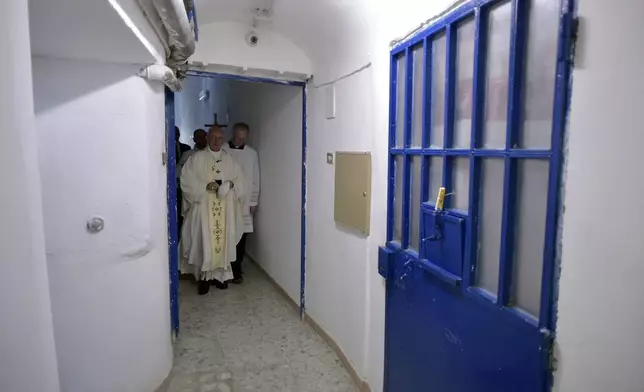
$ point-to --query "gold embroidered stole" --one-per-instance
(217, 220)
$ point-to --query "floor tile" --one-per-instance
(250, 339)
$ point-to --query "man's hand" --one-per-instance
(253, 210)
(224, 189)
(212, 187)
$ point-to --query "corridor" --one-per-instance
(249, 338)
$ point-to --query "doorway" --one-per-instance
(275, 111)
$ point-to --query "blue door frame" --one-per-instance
(451, 286)
(173, 231)
(173, 223)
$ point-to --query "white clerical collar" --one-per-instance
(216, 154)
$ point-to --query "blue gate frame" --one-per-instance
(447, 24)
(173, 232)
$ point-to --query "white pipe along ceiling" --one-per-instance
(169, 19)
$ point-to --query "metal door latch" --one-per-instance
(437, 236)
(434, 237)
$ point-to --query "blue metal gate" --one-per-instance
(478, 106)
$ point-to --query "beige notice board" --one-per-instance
(353, 190)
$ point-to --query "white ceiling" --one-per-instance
(209, 11)
(87, 30)
(313, 25)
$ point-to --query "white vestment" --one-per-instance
(184, 158)
(247, 157)
(199, 254)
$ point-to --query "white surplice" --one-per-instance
(247, 157)
(196, 253)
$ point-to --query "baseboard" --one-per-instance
(362, 385)
(165, 385)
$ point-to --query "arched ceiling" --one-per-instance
(314, 25)
(209, 11)
(338, 36)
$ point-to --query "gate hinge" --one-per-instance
(574, 39)
(575, 28)
(552, 359)
(164, 158)
(550, 343)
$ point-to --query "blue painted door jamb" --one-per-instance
(173, 224)
(303, 205)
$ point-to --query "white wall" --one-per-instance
(355, 317)
(224, 43)
(28, 356)
(274, 113)
(337, 264)
(101, 134)
(600, 313)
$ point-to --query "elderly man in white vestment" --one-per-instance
(213, 189)
(246, 156)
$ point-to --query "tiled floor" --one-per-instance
(248, 338)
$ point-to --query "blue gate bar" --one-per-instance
(514, 118)
(478, 120)
(409, 96)
(406, 202)
(462, 12)
(538, 154)
(427, 90)
(450, 86)
(393, 74)
(547, 318)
